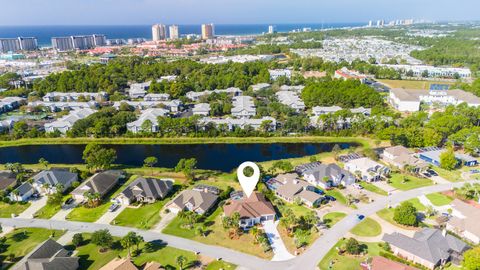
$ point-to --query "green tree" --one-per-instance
(187, 167)
(352, 246)
(150, 162)
(448, 160)
(406, 214)
(129, 241)
(77, 239)
(97, 157)
(181, 261)
(44, 163)
(471, 259)
(102, 238)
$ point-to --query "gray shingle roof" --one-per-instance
(49, 255)
(148, 187)
(54, 177)
(428, 244)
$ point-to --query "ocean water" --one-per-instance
(45, 33)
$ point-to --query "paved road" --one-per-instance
(307, 261)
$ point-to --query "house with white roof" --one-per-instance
(232, 123)
(10, 103)
(243, 107)
(201, 109)
(55, 106)
(232, 91)
(151, 115)
(66, 123)
(291, 99)
(173, 105)
(156, 97)
(260, 86)
(293, 88)
(277, 73)
(319, 110)
(367, 169)
(74, 96)
(138, 90)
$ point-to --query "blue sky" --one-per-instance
(126, 12)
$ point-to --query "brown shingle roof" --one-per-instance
(119, 264)
(252, 207)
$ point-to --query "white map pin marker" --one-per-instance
(248, 183)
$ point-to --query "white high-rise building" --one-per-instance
(174, 33)
(370, 23)
(271, 29)
(208, 31)
(159, 32)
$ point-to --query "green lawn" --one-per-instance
(6, 210)
(85, 214)
(452, 176)
(338, 195)
(217, 265)
(387, 214)
(367, 228)
(332, 218)
(416, 202)
(49, 210)
(372, 188)
(144, 217)
(347, 262)
(23, 240)
(91, 258)
(407, 182)
(217, 235)
(439, 199)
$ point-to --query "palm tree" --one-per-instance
(181, 260)
(128, 241)
(254, 231)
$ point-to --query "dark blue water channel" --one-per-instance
(223, 157)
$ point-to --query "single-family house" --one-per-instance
(100, 183)
(382, 263)
(433, 157)
(156, 97)
(400, 156)
(119, 264)
(201, 109)
(465, 221)
(138, 90)
(367, 169)
(48, 181)
(253, 210)
(22, 193)
(260, 86)
(428, 247)
(197, 201)
(49, 255)
(243, 107)
(319, 110)
(8, 180)
(294, 190)
(145, 190)
(149, 116)
(325, 175)
(232, 123)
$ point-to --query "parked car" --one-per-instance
(432, 172)
(474, 171)
(113, 207)
(360, 217)
(69, 201)
(357, 186)
(427, 175)
(330, 198)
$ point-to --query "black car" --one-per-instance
(330, 198)
(69, 201)
(432, 172)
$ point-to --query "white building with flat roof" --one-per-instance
(408, 100)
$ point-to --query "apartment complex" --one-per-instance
(70, 43)
(18, 44)
(174, 33)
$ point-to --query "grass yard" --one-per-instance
(6, 210)
(217, 235)
(332, 218)
(218, 265)
(345, 261)
(23, 240)
(387, 214)
(338, 195)
(49, 210)
(367, 228)
(407, 182)
(417, 204)
(452, 176)
(372, 188)
(144, 217)
(439, 199)
(85, 214)
(411, 84)
(91, 258)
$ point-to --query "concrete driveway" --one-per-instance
(64, 211)
(280, 251)
(35, 205)
(110, 216)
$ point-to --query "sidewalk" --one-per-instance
(278, 247)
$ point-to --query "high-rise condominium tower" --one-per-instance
(208, 31)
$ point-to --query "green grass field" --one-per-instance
(217, 235)
(332, 218)
(347, 262)
(6, 210)
(49, 210)
(439, 199)
(407, 182)
(372, 188)
(417, 204)
(452, 176)
(367, 228)
(144, 217)
(21, 241)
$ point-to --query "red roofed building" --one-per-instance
(253, 210)
(347, 74)
(381, 263)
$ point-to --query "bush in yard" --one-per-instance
(471, 259)
(406, 214)
(77, 239)
(352, 246)
(102, 238)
